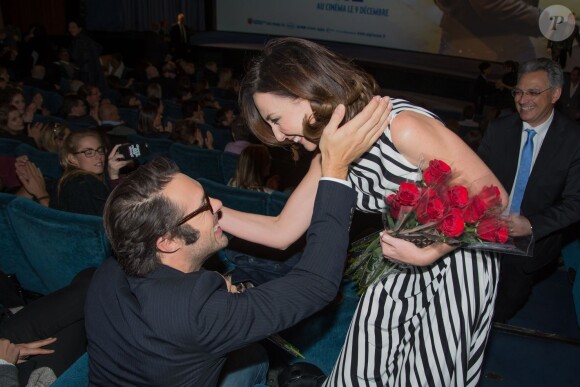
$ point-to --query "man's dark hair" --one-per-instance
(137, 214)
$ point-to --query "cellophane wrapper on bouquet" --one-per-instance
(434, 210)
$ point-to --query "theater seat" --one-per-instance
(196, 162)
(56, 244)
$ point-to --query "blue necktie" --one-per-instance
(523, 172)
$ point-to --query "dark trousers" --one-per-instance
(515, 286)
(59, 314)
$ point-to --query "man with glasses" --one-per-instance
(536, 156)
(154, 316)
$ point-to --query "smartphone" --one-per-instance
(134, 151)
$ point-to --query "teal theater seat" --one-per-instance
(77, 375)
(237, 198)
(13, 259)
(130, 116)
(229, 163)
(8, 146)
(196, 162)
(571, 255)
(56, 244)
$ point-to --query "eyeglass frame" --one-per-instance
(206, 206)
(519, 93)
(100, 150)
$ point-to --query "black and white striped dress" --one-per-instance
(421, 326)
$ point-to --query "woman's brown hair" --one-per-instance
(253, 167)
(298, 68)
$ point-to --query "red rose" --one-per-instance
(394, 205)
(452, 224)
(457, 196)
(408, 194)
(430, 208)
(475, 210)
(490, 196)
(493, 230)
(437, 173)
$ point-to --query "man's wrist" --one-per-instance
(336, 172)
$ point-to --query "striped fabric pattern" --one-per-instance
(420, 326)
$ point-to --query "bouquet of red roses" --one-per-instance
(431, 210)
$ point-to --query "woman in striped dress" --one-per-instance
(426, 325)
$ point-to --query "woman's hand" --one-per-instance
(8, 351)
(341, 146)
(32, 180)
(34, 348)
(115, 162)
(400, 250)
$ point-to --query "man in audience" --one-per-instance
(75, 112)
(155, 316)
(536, 156)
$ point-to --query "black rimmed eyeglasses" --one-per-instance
(92, 152)
(206, 206)
(517, 93)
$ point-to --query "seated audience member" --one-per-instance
(253, 169)
(84, 185)
(224, 118)
(154, 316)
(186, 132)
(67, 69)
(52, 136)
(128, 99)
(49, 331)
(207, 100)
(167, 80)
(111, 122)
(192, 110)
(241, 135)
(36, 79)
(12, 126)
(92, 96)
(14, 97)
(226, 84)
(74, 111)
(150, 121)
(116, 67)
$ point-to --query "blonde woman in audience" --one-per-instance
(52, 136)
(88, 177)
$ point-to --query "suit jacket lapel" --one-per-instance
(512, 152)
(550, 146)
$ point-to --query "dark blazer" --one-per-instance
(552, 198)
(175, 329)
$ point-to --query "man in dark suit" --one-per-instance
(179, 35)
(550, 200)
(569, 103)
(154, 316)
